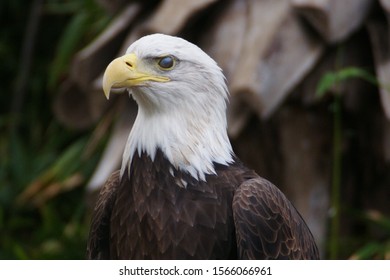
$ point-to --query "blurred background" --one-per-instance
(309, 110)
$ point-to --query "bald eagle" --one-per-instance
(181, 192)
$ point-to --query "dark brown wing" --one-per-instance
(267, 224)
(98, 240)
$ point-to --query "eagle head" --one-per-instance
(181, 94)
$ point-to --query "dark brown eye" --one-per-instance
(166, 62)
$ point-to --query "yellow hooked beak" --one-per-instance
(123, 72)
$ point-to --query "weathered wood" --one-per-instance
(263, 20)
(335, 20)
(93, 59)
(304, 143)
(271, 63)
(386, 5)
(76, 108)
(80, 101)
(113, 6)
(380, 41)
(112, 156)
(172, 15)
(223, 42)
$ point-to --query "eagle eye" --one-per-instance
(166, 62)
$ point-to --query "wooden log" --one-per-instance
(172, 15)
(335, 20)
(271, 62)
(112, 156)
(93, 59)
(380, 40)
(77, 108)
(304, 144)
(112, 6)
(386, 5)
(223, 42)
(80, 101)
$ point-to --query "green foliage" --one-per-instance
(87, 20)
(375, 249)
(43, 166)
(334, 78)
(371, 249)
(44, 227)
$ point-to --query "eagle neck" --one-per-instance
(189, 142)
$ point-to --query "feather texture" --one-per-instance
(233, 214)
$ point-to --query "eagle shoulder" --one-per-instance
(98, 246)
(267, 224)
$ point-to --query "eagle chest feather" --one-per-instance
(164, 213)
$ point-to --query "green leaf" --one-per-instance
(18, 158)
(368, 251)
(69, 161)
(333, 78)
(67, 46)
(19, 252)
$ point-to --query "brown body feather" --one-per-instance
(159, 212)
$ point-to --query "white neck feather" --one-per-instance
(191, 140)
